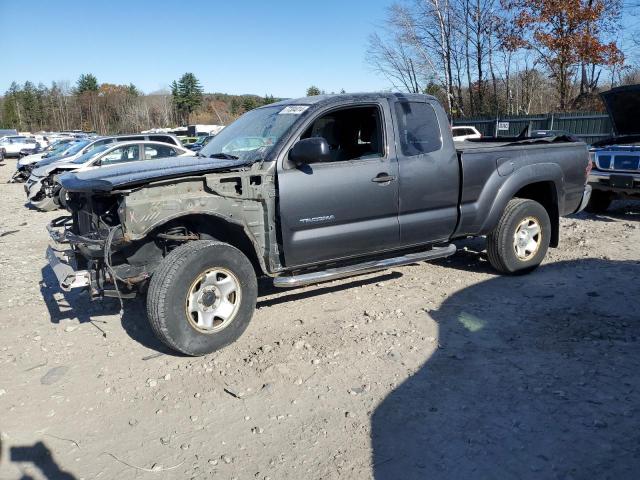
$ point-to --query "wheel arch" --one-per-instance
(210, 226)
(542, 183)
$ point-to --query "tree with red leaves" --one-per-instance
(566, 35)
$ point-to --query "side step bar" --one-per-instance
(362, 268)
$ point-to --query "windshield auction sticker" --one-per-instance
(293, 110)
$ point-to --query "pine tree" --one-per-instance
(187, 95)
(312, 91)
(248, 103)
(86, 83)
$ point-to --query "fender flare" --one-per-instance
(527, 175)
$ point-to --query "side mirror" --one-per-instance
(310, 150)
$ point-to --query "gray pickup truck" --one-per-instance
(304, 191)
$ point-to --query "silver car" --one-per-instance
(44, 193)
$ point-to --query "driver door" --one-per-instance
(348, 206)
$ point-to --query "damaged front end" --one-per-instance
(88, 249)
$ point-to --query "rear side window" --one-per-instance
(419, 129)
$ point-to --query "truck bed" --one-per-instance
(490, 166)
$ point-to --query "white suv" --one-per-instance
(11, 145)
(461, 133)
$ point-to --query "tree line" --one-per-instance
(108, 108)
(488, 57)
(479, 57)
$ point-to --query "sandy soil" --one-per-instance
(434, 370)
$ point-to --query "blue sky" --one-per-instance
(241, 46)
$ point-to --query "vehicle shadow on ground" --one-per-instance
(535, 376)
(77, 305)
(470, 256)
(619, 210)
(39, 456)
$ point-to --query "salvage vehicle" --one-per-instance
(85, 145)
(616, 160)
(31, 149)
(25, 165)
(45, 193)
(337, 185)
(200, 143)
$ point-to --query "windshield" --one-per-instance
(90, 154)
(254, 134)
(76, 148)
(58, 149)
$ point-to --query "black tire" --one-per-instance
(62, 198)
(173, 279)
(501, 243)
(599, 202)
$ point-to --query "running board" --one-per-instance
(362, 268)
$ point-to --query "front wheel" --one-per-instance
(521, 239)
(202, 297)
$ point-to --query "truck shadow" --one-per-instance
(619, 210)
(535, 377)
(78, 305)
(39, 456)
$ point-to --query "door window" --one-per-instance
(418, 128)
(352, 133)
(128, 153)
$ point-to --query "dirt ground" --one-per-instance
(434, 370)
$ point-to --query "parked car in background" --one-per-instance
(304, 191)
(200, 142)
(57, 151)
(89, 145)
(616, 160)
(12, 144)
(461, 133)
(44, 192)
(186, 141)
(34, 148)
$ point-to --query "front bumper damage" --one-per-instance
(62, 258)
(80, 262)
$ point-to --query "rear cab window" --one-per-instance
(418, 128)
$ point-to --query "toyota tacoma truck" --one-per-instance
(305, 191)
(616, 160)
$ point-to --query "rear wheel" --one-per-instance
(599, 202)
(202, 297)
(520, 241)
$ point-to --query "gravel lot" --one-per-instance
(434, 370)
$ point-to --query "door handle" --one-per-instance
(383, 178)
